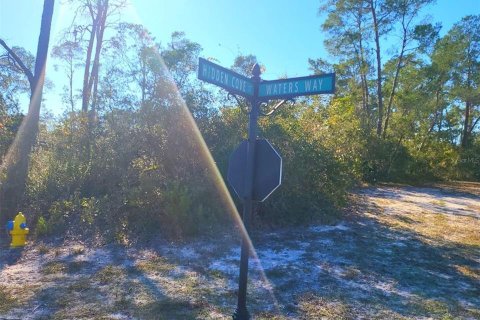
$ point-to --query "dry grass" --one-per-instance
(431, 225)
(78, 250)
(109, 274)
(54, 267)
(473, 273)
(43, 249)
(351, 273)
(155, 264)
(7, 301)
(16, 295)
(314, 307)
(461, 186)
(436, 309)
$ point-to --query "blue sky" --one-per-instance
(283, 34)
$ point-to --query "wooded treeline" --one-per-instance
(125, 157)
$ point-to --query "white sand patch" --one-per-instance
(399, 244)
(439, 275)
(188, 253)
(316, 244)
(118, 316)
(333, 270)
(387, 287)
(21, 272)
(268, 259)
(228, 265)
(178, 271)
(338, 227)
(100, 257)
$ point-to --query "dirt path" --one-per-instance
(403, 253)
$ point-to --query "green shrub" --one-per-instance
(41, 228)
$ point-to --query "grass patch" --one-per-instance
(54, 267)
(77, 266)
(351, 273)
(439, 203)
(314, 307)
(189, 285)
(122, 304)
(80, 285)
(383, 202)
(7, 302)
(157, 264)
(78, 250)
(83, 311)
(217, 274)
(109, 274)
(277, 272)
(435, 308)
(434, 226)
(43, 249)
(167, 309)
(269, 316)
(473, 273)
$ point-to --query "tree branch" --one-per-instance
(474, 124)
(19, 61)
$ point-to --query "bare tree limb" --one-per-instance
(19, 62)
(474, 124)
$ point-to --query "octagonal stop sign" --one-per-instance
(267, 170)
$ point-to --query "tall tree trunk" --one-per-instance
(363, 76)
(70, 85)
(93, 81)
(15, 167)
(438, 114)
(394, 85)
(379, 69)
(363, 66)
(466, 125)
(86, 73)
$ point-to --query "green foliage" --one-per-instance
(9, 125)
(41, 228)
(468, 164)
(139, 168)
(315, 181)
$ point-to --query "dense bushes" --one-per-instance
(144, 172)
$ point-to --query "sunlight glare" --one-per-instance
(210, 164)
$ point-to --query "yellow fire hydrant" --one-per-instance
(18, 230)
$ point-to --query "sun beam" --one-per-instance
(210, 164)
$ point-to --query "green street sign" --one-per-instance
(293, 87)
(222, 77)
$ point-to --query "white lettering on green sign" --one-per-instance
(297, 86)
(275, 89)
(313, 85)
(225, 79)
(281, 88)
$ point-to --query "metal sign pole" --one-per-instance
(241, 313)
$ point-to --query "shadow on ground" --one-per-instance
(369, 267)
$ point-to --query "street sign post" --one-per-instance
(255, 168)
